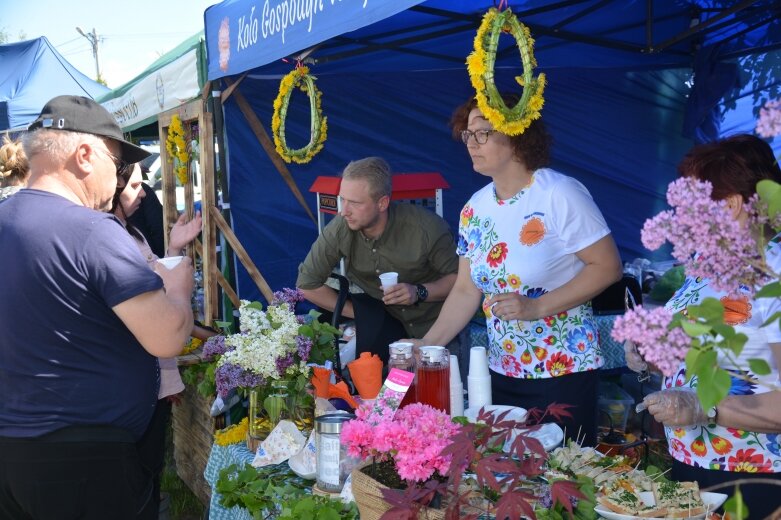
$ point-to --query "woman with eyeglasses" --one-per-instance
(534, 249)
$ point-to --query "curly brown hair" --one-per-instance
(531, 147)
(733, 165)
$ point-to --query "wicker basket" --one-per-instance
(371, 504)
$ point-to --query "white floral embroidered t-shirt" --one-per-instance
(717, 447)
(527, 244)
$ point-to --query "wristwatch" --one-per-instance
(422, 292)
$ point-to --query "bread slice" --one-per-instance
(681, 499)
(625, 502)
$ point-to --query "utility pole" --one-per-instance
(93, 39)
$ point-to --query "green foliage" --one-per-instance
(770, 193)
(710, 335)
(202, 377)
(736, 507)
(259, 490)
(655, 474)
(322, 336)
(666, 286)
(225, 326)
(316, 507)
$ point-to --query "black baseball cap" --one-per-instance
(82, 114)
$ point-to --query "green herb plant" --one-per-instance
(270, 493)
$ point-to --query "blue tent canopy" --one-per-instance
(621, 102)
(31, 73)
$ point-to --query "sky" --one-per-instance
(131, 34)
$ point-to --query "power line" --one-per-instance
(69, 41)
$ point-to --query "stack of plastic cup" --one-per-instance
(456, 389)
(479, 379)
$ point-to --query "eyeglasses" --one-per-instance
(124, 169)
(481, 136)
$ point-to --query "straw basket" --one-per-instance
(371, 504)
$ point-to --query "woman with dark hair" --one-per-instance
(534, 249)
(740, 437)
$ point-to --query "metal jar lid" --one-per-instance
(332, 422)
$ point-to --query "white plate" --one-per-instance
(549, 434)
(712, 502)
(516, 412)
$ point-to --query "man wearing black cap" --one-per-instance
(82, 318)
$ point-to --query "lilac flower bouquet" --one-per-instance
(271, 354)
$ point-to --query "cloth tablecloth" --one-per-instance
(220, 458)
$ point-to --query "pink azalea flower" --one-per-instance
(413, 438)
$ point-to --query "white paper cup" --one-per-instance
(170, 261)
(478, 362)
(388, 279)
(478, 391)
(455, 374)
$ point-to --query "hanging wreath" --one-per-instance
(176, 146)
(318, 127)
(480, 65)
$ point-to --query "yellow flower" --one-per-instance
(300, 78)
(480, 66)
(232, 434)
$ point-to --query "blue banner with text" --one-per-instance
(244, 34)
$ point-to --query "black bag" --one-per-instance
(612, 299)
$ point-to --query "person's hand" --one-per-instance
(400, 294)
(634, 360)
(184, 232)
(676, 407)
(178, 281)
(513, 306)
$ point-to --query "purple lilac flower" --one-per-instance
(304, 345)
(284, 362)
(769, 121)
(229, 377)
(664, 348)
(214, 346)
(706, 238)
(288, 296)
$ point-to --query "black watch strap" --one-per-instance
(422, 292)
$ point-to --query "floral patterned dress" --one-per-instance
(716, 447)
(527, 244)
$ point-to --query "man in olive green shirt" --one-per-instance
(375, 236)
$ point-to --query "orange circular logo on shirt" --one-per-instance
(532, 232)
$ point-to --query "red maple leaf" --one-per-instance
(563, 491)
(514, 506)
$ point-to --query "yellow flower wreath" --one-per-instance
(299, 77)
(177, 148)
(480, 65)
